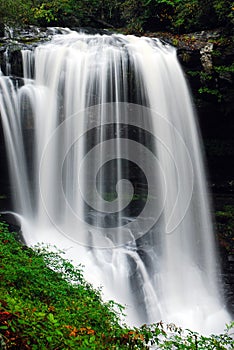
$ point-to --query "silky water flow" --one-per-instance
(105, 163)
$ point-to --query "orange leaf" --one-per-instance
(68, 326)
(83, 329)
(72, 334)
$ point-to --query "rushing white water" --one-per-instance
(94, 110)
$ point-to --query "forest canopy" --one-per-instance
(135, 15)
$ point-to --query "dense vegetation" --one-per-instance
(41, 309)
(135, 15)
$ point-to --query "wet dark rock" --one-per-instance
(13, 42)
(207, 59)
(228, 281)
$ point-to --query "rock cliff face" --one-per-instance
(208, 61)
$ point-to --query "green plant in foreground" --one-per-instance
(45, 303)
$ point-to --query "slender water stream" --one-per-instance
(105, 163)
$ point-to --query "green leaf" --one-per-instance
(50, 317)
(3, 327)
(40, 314)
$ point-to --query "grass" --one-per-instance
(45, 303)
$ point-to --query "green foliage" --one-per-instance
(15, 11)
(135, 15)
(193, 15)
(223, 69)
(45, 303)
(207, 83)
(224, 10)
(58, 12)
(45, 13)
(211, 82)
(143, 15)
(188, 14)
(177, 15)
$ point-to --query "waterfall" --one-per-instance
(105, 163)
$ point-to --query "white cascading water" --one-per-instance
(93, 114)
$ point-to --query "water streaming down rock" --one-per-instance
(95, 110)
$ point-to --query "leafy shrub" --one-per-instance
(137, 15)
(41, 309)
(192, 15)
